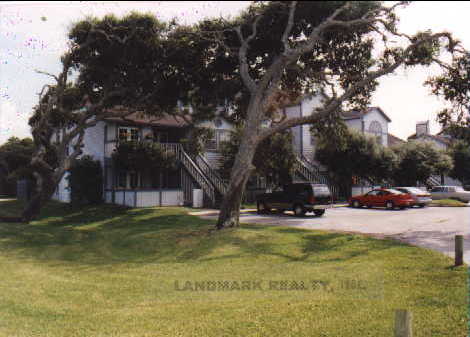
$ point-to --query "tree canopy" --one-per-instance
(354, 154)
(275, 159)
(252, 65)
(15, 157)
(460, 154)
(418, 161)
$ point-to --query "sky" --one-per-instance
(33, 36)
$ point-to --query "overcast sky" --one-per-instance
(33, 36)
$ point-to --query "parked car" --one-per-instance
(298, 197)
(450, 192)
(382, 197)
(421, 198)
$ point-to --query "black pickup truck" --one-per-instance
(298, 197)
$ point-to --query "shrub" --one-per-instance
(86, 181)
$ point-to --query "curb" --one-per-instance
(250, 210)
(454, 206)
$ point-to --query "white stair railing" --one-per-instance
(192, 168)
(213, 176)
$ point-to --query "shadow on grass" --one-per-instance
(109, 234)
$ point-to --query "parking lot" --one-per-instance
(431, 227)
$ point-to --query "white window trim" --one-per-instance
(217, 140)
(129, 132)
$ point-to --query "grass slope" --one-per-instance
(110, 271)
(449, 203)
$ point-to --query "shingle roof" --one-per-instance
(353, 114)
(139, 118)
(394, 140)
(438, 138)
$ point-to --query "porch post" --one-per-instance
(161, 187)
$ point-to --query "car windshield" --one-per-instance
(321, 191)
(414, 190)
(394, 191)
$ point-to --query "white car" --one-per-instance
(450, 192)
(421, 197)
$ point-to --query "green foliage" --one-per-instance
(454, 86)
(86, 181)
(424, 53)
(143, 155)
(418, 161)
(460, 153)
(354, 154)
(274, 158)
(15, 160)
(196, 139)
(213, 74)
(126, 55)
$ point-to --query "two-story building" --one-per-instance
(173, 188)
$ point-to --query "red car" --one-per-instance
(382, 197)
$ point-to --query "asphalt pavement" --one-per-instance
(430, 227)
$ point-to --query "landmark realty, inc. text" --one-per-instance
(267, 285)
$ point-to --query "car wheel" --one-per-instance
(299, 210)
(262, 208)
(421, 205)
(281, 211)
(356, 204)
(389, 205)
(319, 212)
(369, 206)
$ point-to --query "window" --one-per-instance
(321, 191)
(376, 129)
(374, 192)
(395, 191)
(211, 144)
(219, 136)
(128, 134)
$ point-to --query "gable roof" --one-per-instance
(303, 97)
(394, 140)
(354, 114)
(440, 139)
(141, 118)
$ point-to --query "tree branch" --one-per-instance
(242, 59)
(335, 104)
(47, 74)
(289, 25)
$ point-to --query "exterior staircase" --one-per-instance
(213, 186)
(220, 185)
(434, 181)
(310, 172)
(193, 170)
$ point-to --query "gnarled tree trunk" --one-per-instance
(229, 215)
(45, 188)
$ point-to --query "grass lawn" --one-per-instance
(448, 203)
(110, 271)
